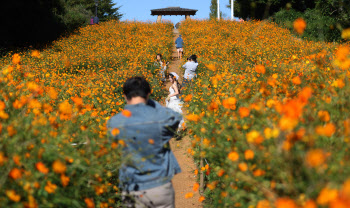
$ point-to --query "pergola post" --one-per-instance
(159, 19)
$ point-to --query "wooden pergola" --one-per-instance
(172, 11)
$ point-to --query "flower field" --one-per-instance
(273, 114)
(54, 105)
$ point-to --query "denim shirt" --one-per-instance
(147, 160)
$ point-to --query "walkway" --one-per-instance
(183, 182)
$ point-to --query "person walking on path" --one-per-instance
(190, 70)
(179, 46)
(144, 128)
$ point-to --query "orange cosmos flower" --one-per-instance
(189, 195)
(64, 180)
(258, 173)
(50, 187)
(299, 25)
(310, 204)
(326, 196)
(229, 103)
(52, 93)
(248, 154)
(326, 130)
(296, 80)
(243, 167)
(243, 112)
(323, 115)
(65, 108)
(11, 194)
(115, 132)
(213, 105)
(221, 172)
(193, 117)
(305, 94)
(233, 156)
(77, 100)
(263, 204)
(188, 98)
(285, 203)
(315, 158)
(286, 123)
(15, 173)
(151, 141)
(41, 167)
(201, 198)
(89, 203)
(126, 113)
(59, 167)
(195, 187)
(260, 69)
(35, 53)
(2, 105)
(16, 59)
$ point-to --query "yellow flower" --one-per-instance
(345, 34)
(251, 136)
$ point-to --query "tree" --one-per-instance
(214, 10)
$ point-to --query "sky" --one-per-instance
(140, 10)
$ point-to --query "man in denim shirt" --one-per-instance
(144, 128)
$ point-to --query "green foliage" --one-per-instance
(214, 10)
(319, 27)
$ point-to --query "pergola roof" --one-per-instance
(173, 11)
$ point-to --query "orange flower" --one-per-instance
(315, 158)
(11, 130)
(260, 69)
(299, 25)
(50, 187)
(243, 112)
(59, 167)
(35, 53)
(65, 108)
(258, 173)
(233, 156)
(296, 80)
(229, 103)
(287, 123)
(326, 196)
(52, 93)
(249, 154)
(345, 34)
(11, 194)
(310, 204)
(151, 141)
(195, 187)
(285, 203)
(15, 173)
(201, 198)
(16, 59)
(326, 130)
(64, 180)
(188, 98)
(78, 101)
(89, 203)
(193, 117)
(41, 167)
(189, 195)
(2, 105)
(323, 115)
(126, 113)
(221, 172)
(213, 106)
(263, 204)
(3, 159)
(115, 132)
(243, 167)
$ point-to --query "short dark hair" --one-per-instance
(136, 87)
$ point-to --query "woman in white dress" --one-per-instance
(173, 101)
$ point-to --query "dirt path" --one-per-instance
(183, 182)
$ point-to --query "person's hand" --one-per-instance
(167, 98)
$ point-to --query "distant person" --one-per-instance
(179, 47)
(190, 70)
(161, 65)
(173, 100)
(177, 25)
(145, 128)
(96, 20)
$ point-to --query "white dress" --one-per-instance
(175, 104)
